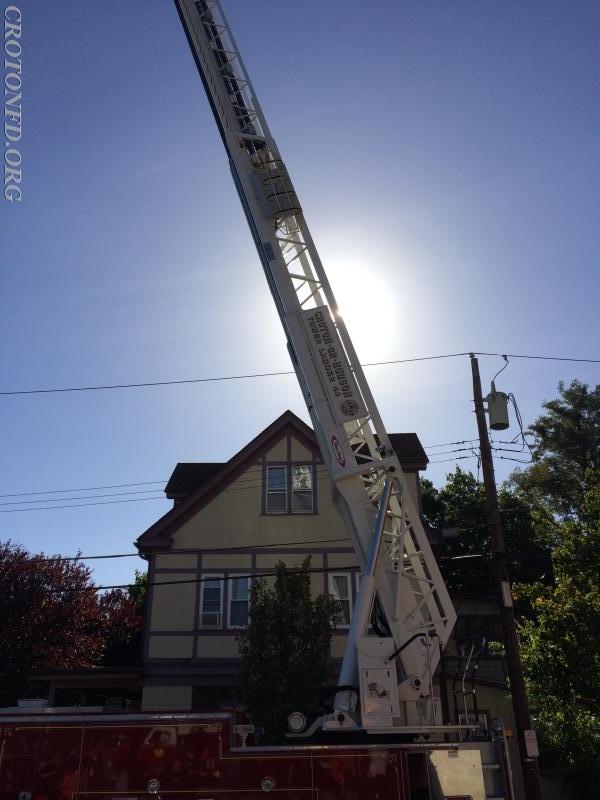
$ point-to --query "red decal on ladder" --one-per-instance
(338, 452)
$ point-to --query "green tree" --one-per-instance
(465, 564)
(565, 451)
(561, 655)
(285, 649)
(559, 635)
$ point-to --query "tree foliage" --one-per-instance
(460, 504)
(559, 636)
(51, 617)
(285, 649)
(561, 654)
(122, 612)
(565, 451)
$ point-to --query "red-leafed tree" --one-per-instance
(51, 617)
(122, 616)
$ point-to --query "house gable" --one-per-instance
(228, 492)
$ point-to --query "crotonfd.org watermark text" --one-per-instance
(12, 103)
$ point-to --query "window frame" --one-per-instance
(230, 599)
(310, 491)
(348, 576)
(285, 492)
(209, 576)
(288, 466)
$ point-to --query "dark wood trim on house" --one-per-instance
(159, 535)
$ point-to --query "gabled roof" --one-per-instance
(409, 450)
(158, 535)
(196, 484)
(186, 478)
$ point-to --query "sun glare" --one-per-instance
(367, 305)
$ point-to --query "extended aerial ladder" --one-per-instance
(401, 588)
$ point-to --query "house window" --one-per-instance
(277, 490)
(302, 489)
(239, 601)
(339, 589)
(211, 602)
(289, 490)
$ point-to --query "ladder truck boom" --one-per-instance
(392, 667)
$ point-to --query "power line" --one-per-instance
(215, 379)
(251, 483)
(239, 484)
(208, 577)
(82, 497)
(112, 486)
(448, 444)
(242, 485)
(229, 549)
(235, 549)
(458, 458)
(547, 358)
(244, 376)
(79, 505)
(164, 481)
(82, 489)
(456, 450)
(248, 483)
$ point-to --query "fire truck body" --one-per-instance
(76, 756)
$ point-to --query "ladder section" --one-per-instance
(351, 434)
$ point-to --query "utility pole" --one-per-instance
(525, 733)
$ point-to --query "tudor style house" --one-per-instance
(271, 502)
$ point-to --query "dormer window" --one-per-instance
(289, 489)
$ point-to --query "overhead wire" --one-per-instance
(224, 549)
(448, 444)
(237, 484)
(244, 376)
(81, 497)
(79, 505)
(248, 482)
(447, 460)
(501, 369)
(215, 379)
(81, 489)
(164, 481)
(208, 577)
(237, 548)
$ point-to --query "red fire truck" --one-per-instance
(78, 755)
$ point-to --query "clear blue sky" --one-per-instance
(447, 158)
